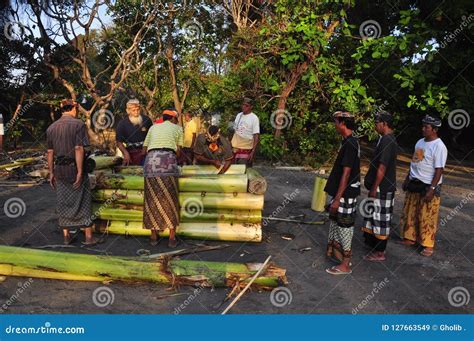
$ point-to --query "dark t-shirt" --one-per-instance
(132, 135)
(348, 156)
(386, 154)
(224, 151)
(62, 136)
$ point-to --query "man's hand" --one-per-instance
(405, 184)
(126, 158)
(334, 206)
(429, 195)
(78, 181)
(216, 163)
(52, 180)
(373, 193)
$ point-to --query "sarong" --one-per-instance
(419, 220)
(341, 230)
(136, 157)
(378, 213)
(242, 156)
(74, 205)
(161, 173)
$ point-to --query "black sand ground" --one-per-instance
(406, 283)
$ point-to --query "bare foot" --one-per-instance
(172, 243)
(427, 252)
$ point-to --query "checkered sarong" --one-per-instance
(346, 213)
(378, 213)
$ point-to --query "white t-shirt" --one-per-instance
(247, 125)
(427, 157)
(2, 130)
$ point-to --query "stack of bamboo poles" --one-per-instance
(17, 261)
(224, 207)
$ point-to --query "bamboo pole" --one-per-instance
(12, 270)
(186, 215)
(201, 183)
(257, 183)
(237, 201)
(211, 170)
(209, 231)
(247, 286)
(318, 200)
(185, 170)
(51, 264)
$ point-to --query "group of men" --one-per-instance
(158, 145)
(210, 147)
(422, 186)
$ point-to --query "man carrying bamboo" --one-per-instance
(246, 134)
(66, 140)
(131, 132)
(212, 148)
(343, 186)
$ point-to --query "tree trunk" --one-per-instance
(166, 271)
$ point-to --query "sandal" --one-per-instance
(406, 242)
(335, 271)
(427, 252)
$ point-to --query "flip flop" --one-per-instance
(94, 243)
(427, 253)
(335, 271)
(72, 239)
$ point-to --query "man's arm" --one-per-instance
(256, 140)
(202, 159)
(50, 157)
(346, 172)
(79, 156)
(378, 180)
(126, 155)
(430, 192)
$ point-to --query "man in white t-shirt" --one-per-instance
(247, 134)
(423, 188)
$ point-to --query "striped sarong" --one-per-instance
(161, 173)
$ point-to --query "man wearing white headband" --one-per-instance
(131, 132)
